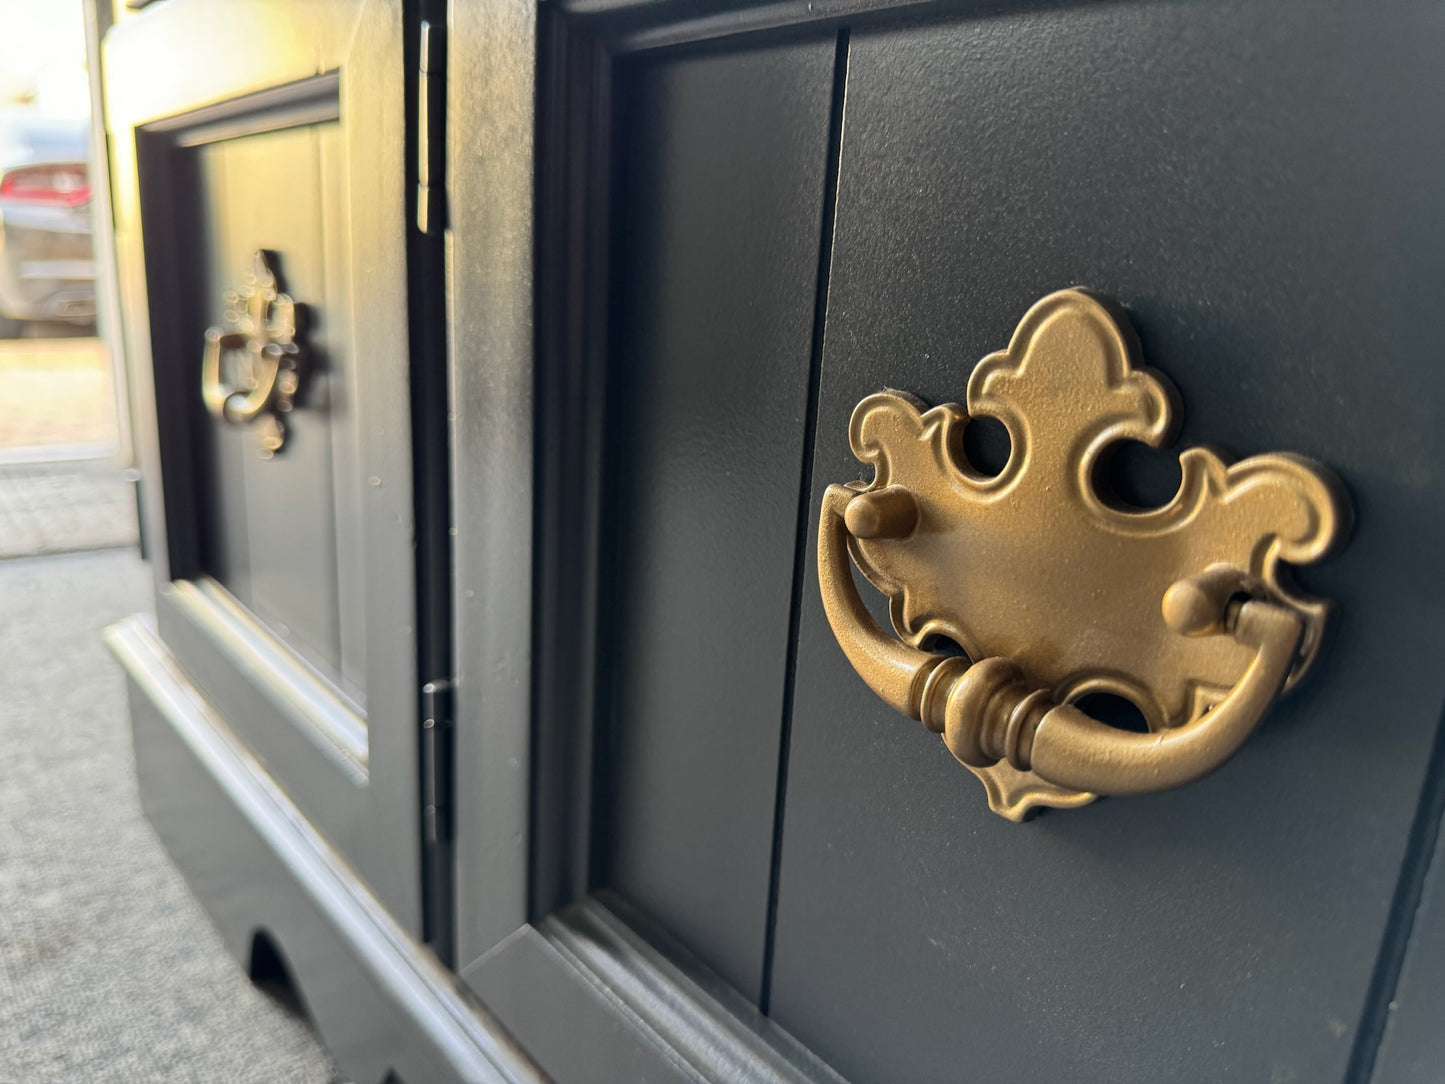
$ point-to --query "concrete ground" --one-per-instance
(62, 487)
(55, 393)
(109, 970)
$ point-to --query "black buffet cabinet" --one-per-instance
(517, 387)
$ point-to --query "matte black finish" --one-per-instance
(379, 1000)
(273, 523)
(721, 193)
(291, 722)
(531, 987)
(425, 50)
(491, 58)
(570, 369)
(1261, 187)
(1261, 190)
(1411, 981)
(241, 151)
(591, 999)
(596, 1003)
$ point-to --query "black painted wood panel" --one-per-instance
(721, 168)
(328, 548)
(272, 529)
(1411, 1046)
(530, 986)
(1261, 188)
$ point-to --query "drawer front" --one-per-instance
(1255, 186)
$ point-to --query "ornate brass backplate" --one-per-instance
(251, 369)
(1054, 591)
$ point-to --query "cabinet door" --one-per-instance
(286, 579)
(1260, 187)
(607, 917)
(716, 268)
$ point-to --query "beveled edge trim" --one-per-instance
(569, 1022)
(706, 1025)
(460, 1030)
(313, 100)
(491, 248)
(274, 669)
(644, 26)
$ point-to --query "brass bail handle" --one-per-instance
(260, 341)
(1054, 590)
(986, 710)
(238, 404)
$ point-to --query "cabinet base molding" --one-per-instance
(379, 999)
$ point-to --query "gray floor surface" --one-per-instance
(109, 970)
(62, 507)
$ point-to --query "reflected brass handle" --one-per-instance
(1052, 591)
(260, 345)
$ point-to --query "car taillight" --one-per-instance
(66, 184)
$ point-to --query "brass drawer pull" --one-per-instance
(1055, 593)
(260, 345)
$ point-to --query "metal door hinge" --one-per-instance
(436, 742)
(431, 213)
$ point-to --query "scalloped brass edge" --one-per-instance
(1073, 362)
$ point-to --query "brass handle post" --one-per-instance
(895, 671)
